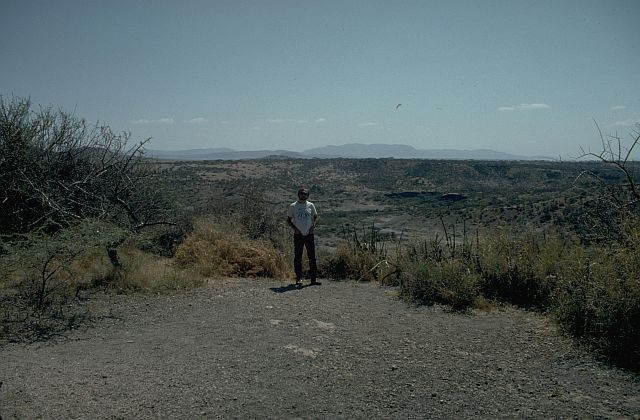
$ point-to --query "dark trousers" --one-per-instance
(300, 242)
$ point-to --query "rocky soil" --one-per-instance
(260, 349)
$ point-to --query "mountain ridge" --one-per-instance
(350, 150)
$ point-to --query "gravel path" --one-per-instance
(258, 349)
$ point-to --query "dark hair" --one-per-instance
(303, 191)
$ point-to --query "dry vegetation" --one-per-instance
(556, 237)
(216, 249)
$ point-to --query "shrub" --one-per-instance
(521, 269)
(598, 300)
(143, 272)
(447, 282)
(593, 292)
(616, 200)
(350, 263)
(43, 263)
(56, 169)
(361, 256)
(68, 191)
(216, 248)
(41, 274)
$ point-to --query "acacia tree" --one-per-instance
(56, 169)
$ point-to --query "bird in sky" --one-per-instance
(398, 106)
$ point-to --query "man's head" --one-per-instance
(303, 193)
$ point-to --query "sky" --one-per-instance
(529, 77)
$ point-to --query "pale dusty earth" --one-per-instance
(260, 349)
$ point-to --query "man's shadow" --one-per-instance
(289, 288)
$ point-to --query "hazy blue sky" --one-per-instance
(525, 77)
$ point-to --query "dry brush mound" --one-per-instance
(217, 248)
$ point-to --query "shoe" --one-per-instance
(315, 283)
(298, 283)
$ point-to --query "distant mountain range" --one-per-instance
(353, 150)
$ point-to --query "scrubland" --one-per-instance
(520, 239)
(561, 238)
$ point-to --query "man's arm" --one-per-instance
(315, 215)
(290, 222)
(315, 218)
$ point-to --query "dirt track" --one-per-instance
(257, 349)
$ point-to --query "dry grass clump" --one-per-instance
(43, 277)
(597, 298)
(449, 282)
(521, 269)
(362, 256)
(145, 272)
(38, 300)
(216, 248)
(348, 263)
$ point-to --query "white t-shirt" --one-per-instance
(302, 215)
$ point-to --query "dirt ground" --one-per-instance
(260, 349)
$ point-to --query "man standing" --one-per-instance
(302, 217)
